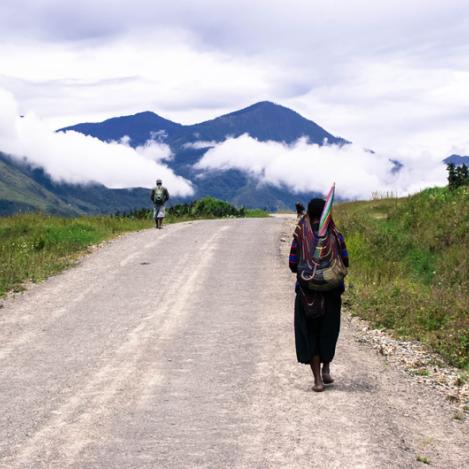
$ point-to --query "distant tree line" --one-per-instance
(457, 175)
(208, 207)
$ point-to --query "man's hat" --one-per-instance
(158, 181)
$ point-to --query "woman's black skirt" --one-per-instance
(317, 336)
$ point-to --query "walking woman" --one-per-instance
(317, 313)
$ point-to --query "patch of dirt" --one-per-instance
(417, 360)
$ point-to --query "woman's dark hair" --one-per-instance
(315, 208)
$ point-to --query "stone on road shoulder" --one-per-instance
(175, 349)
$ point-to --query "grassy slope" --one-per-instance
(410, 269)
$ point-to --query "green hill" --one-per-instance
(24, 188)
(410, 267)
(21, 193)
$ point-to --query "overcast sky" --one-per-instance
(384, 74)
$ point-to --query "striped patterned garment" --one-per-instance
(293, 258)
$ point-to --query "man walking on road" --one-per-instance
(159, 197)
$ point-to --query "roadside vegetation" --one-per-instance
(410, 267)
(205, 208)
(35, 246)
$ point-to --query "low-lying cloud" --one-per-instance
(200, 145)
(305, 167)
(75, 158)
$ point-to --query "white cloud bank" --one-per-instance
(378, 73)
(76, 158)
(305, 167)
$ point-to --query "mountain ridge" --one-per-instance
(263, 112)
(457, 160)
(141, 125)
(263, 120)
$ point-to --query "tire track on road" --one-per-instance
(65, 435)
(57, 300)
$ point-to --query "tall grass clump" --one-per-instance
(410, 268)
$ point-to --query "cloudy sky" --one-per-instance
(391, 75)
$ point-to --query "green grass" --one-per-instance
(410, 269)
(256, 213)
(35, 246)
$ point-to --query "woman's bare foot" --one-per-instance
(318, 387)
(327, 378)
(316, 368)
(326, 374)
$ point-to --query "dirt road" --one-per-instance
(174, 349)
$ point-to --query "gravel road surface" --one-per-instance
(175, 349)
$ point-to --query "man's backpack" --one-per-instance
(159, 196)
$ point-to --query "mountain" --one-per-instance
(457, 160)
(263, 121)
(24, 188)
(139, 127)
